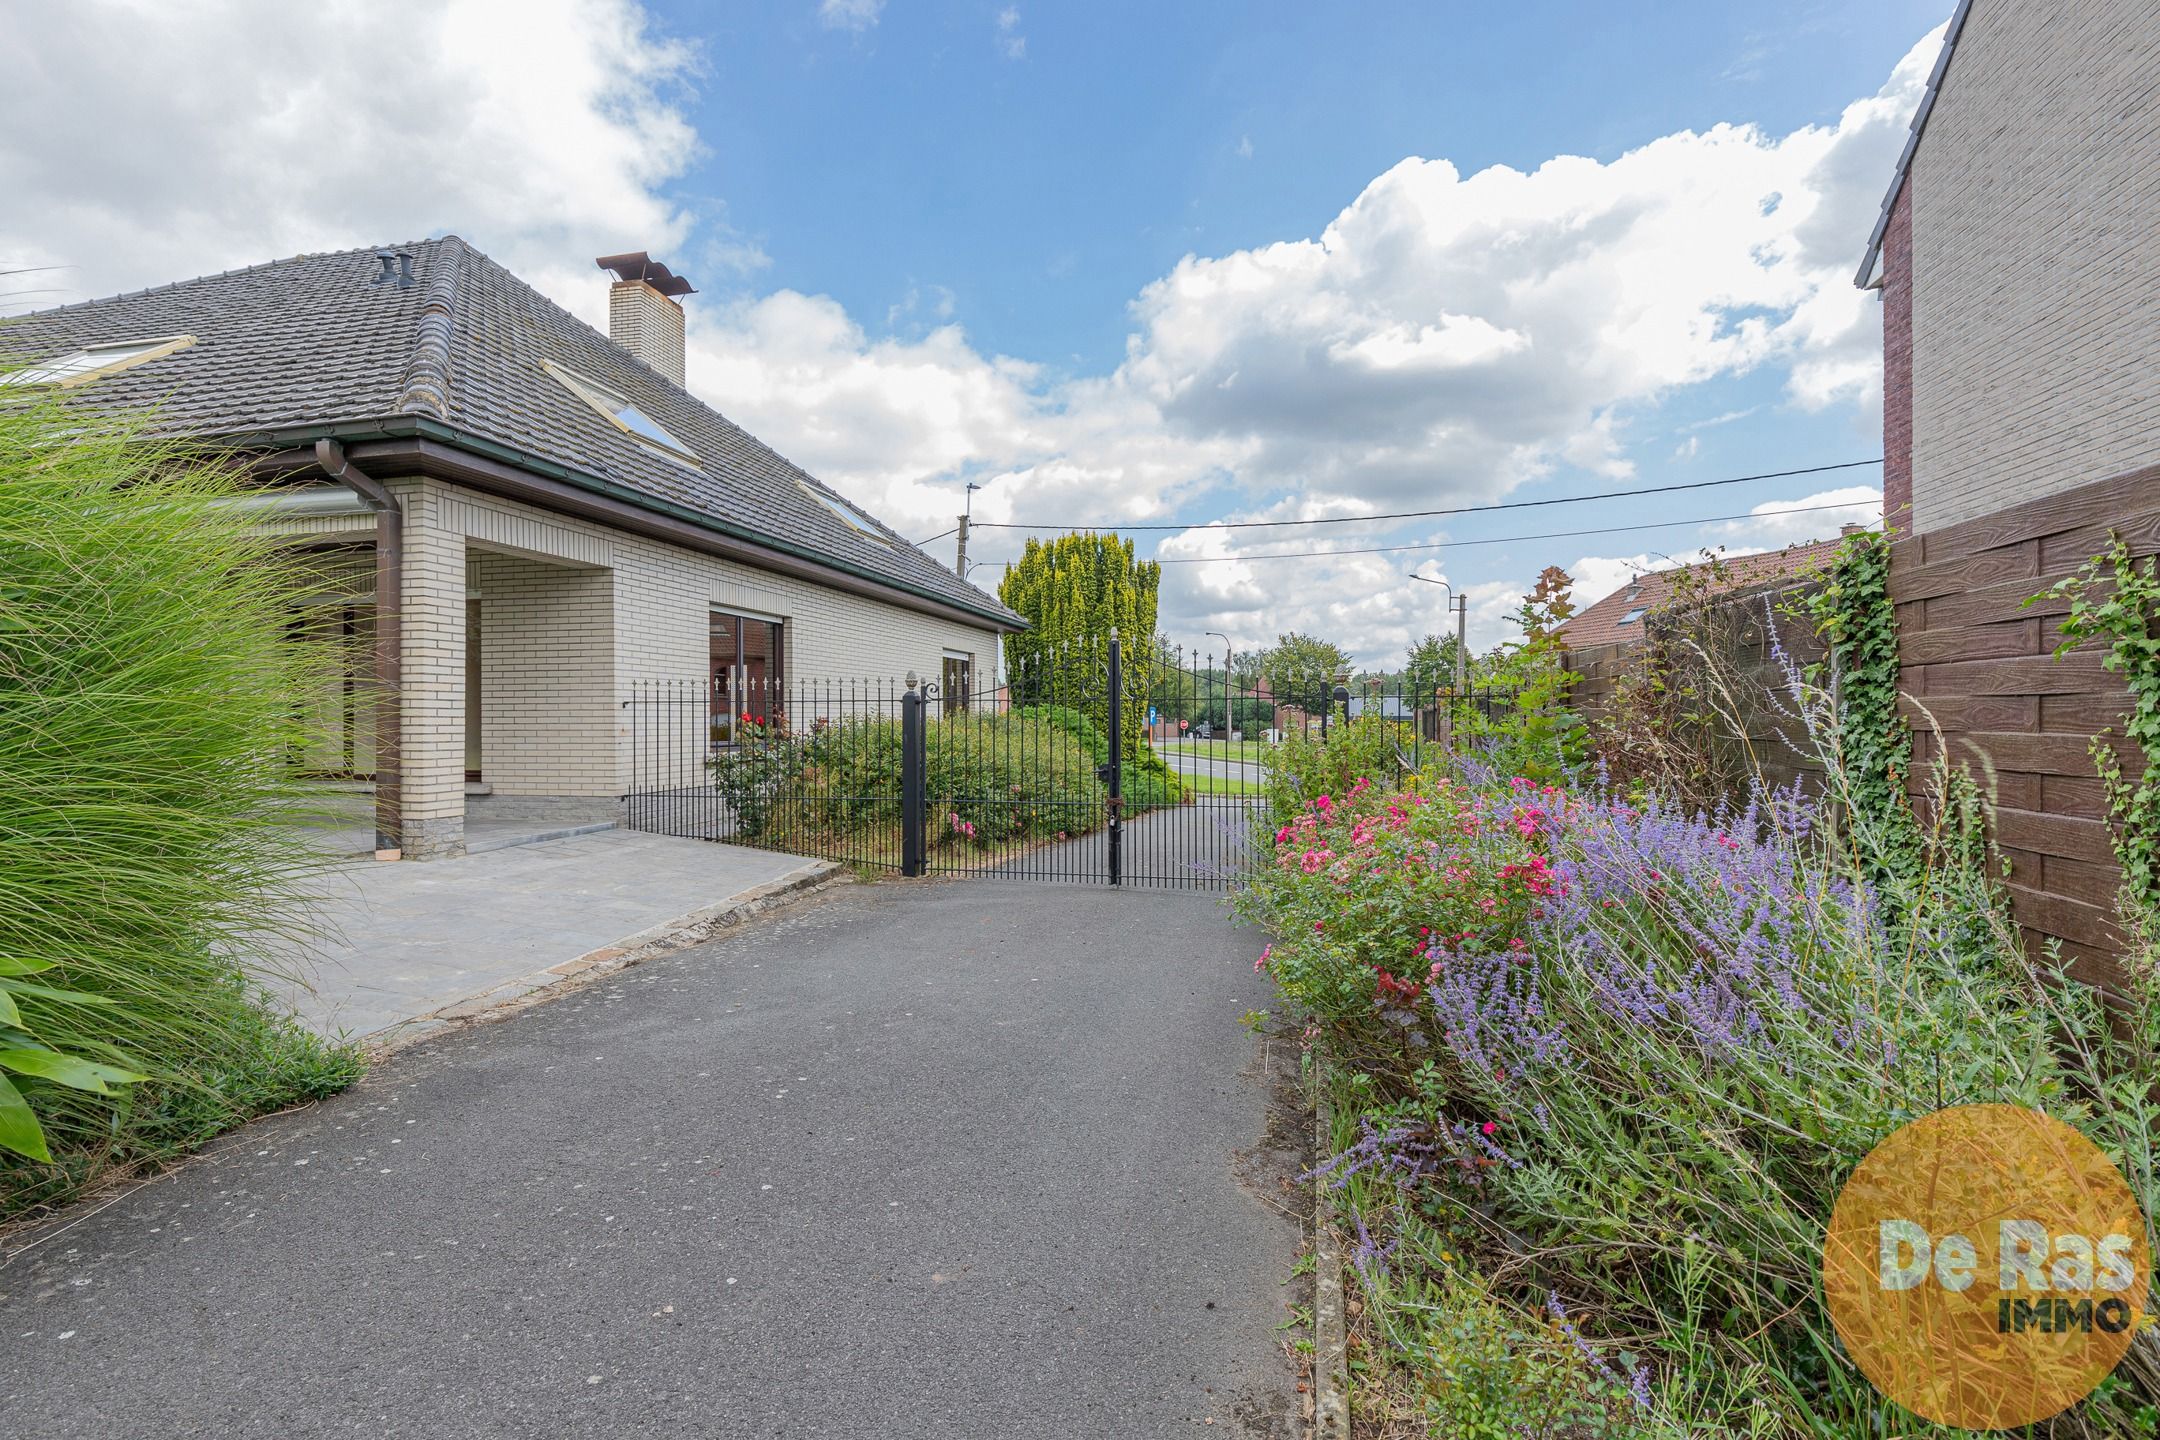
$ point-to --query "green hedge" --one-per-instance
(1147, 783)
(1007, 777)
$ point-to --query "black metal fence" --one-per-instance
(1106, 762)
(813, 768)
(1451, 712)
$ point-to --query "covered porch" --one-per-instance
(494, 703)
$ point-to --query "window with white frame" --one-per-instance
(620, 413)
(95, 362)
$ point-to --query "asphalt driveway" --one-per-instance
(951, 1159)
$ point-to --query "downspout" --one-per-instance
(389, 641)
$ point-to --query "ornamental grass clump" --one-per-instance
(1625, 1055)
(148, 704)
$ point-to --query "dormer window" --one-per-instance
(620, 413)
(95, 362)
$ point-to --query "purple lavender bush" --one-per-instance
(1628, 1054)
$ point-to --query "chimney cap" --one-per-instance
(637, 265)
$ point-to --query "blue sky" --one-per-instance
(1162, 264)
(1044, 192)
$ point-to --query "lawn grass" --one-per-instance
(1249, 752)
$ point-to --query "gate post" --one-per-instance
(913, 774)
(1116, 778)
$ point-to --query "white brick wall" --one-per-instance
(547, 676)
(572, 614)
(647, 324)
(2035, 270)
(433, 616)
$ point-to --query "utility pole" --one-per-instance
(1462, 644)
(960, 556)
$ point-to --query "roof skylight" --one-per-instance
(845, 511)
(623, 415)
(94, 362)
(1633, 615)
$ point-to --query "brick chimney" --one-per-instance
(644, 315)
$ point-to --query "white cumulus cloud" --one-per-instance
(856, 15)
(210, 135)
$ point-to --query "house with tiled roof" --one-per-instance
(518, 518)
(1618, 618)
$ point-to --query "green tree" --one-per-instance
(1075, 590)
(1430, 667)
(1538, 736)
(1301, 669)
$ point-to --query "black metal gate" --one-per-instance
(1106, 761)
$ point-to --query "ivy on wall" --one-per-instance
(1857, 622)
(2116, 599)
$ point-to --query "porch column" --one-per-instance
(434, 676)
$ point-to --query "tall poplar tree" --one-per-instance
(1074, 591)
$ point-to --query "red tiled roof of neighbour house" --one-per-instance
(1618, 618)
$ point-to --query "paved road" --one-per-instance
(1197, 847)
(1219, 765)
(949, 1159)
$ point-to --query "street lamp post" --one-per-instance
(1460, 604)
(1229, 703)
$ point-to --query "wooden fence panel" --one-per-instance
(1978, 664)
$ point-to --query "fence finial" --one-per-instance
(912, 681)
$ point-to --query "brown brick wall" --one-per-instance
(1897, 348)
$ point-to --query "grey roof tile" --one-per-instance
(310, 341)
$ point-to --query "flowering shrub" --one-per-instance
(752, 774)
(1302, 766)
(1633, 1053)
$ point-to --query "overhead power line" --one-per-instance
(1490, 540)
(1425, 514)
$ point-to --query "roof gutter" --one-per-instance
(389, 644)
(315, 501)
(422, 446)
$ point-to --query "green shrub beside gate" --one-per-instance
(989, 780)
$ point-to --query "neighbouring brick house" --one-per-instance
(554, 516)
(1749, 601)
(2018, 259)
(1617, 621)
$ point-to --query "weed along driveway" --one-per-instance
(959, 1158)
